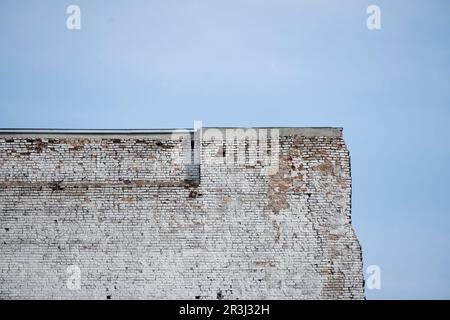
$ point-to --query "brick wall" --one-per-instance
(203, 215)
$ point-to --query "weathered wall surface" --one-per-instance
(139, 223)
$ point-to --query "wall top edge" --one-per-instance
(283, 131)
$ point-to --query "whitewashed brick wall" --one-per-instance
(139, 224)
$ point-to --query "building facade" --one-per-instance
(212, 213)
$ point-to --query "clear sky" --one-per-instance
(164, 64)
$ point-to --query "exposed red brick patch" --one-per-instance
(40, 146)
(279, 185)
(76, 144)
(326, 168)
(140, 183)
(265, 264)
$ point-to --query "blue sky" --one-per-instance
(164, 64)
